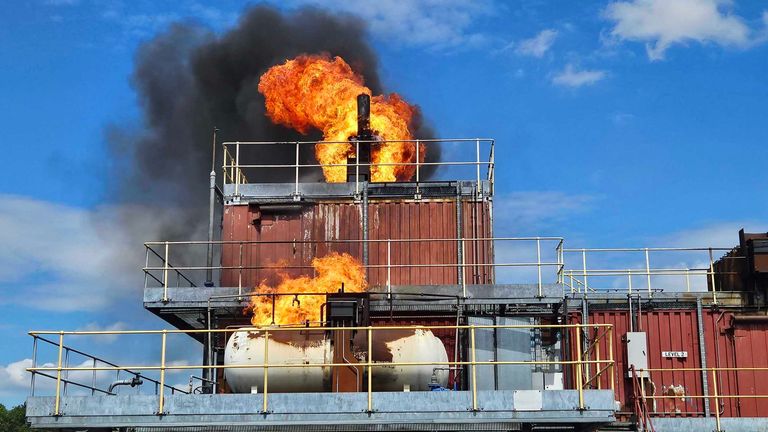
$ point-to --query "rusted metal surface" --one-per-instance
(341, 220)
(730, 343)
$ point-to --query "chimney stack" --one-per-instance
(362, 141)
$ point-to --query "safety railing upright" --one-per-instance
(578, 363)
(541, 257)
(235, 167)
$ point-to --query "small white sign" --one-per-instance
(674, 354)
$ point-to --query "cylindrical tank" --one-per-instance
(314, 347)
(295, 347)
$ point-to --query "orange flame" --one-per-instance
(331, 271)
(319, 92)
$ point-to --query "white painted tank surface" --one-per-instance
(408, 346)
(313, 347)
(294, 347)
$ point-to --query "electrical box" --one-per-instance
(637, 353)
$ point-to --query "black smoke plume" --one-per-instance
(190, 80)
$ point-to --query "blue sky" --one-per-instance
(629, 123)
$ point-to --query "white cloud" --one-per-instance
(105, 338)
(663, 23)
(572, 77)
(532, 210)
(434, 24)
(63, 258)
(538, 45)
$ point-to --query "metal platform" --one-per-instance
(445, 410)
(186, 308)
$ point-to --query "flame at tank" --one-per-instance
(319, 92)
(331, 271)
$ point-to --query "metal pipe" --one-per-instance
(133, 382)
(211, 211)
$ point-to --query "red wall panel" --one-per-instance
(414, 263)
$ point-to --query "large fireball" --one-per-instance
(319, 92)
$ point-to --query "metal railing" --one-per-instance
(234, 168)
(482, 266)
(64, 354)
(582, 359)
(579, 278)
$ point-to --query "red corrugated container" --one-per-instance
(729, 343)
(342, 220)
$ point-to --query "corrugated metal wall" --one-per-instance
(728, 344)
(433, 262)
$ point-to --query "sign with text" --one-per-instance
(674, 354)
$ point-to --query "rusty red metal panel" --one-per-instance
(435, 262)
(729, 344)
(666, 330)
(739, 344)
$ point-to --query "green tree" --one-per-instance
(13, 420)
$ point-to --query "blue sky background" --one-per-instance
(617, 124)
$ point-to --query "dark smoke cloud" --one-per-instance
(190, 80)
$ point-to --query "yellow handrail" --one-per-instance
(582, 359)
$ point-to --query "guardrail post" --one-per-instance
(369, 355)
(161, 404)
(712, 278)
(463, 273)
(579, 364)
(146, 264)
(57, 404)
(584, 268)
(357, 168)
(477, 168)
(389, 269)
(538, 265)
(560, 264)
(237, 168)
(648, 271)
(417, 166)
(474, 368)
(165, 274)
(629, 275)
(296, 190)
(610, 358)
(716, 395)
(93, 378)
(266, 371)
(240, 272)
(34, 365)
(66, 372)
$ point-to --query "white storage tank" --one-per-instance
(314, 347)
